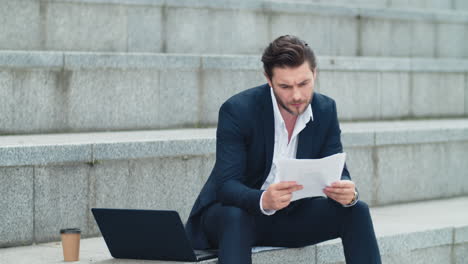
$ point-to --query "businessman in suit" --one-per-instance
(242, 205)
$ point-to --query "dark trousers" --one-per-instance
(304, 222)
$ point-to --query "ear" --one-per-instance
(314, 72)
(268, 79)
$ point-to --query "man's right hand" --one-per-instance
(278, 195)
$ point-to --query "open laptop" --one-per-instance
(147, 234)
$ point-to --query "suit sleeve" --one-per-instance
(231, 152)
(332, 143)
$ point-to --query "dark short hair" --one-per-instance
(287, 51)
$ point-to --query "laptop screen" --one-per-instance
(144, 234)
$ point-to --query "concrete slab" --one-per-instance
(132, 93)
(159, 148)
(360, 163)
(395, 94)
(357, 137)
(303, 255)
(423, 39)
(25, 59)
(461, 253)
(466, 94)
(323, 33)
(65, 90)
(449, 40)
(33, 100)
(437, 94)
(44, 154)
(108, 181)
(122, 61)
(421, 173)
(145, 30)
(461, 235)
(401, 4)
(348, 88)
(460, 5)
(157, 184)
(60, 200)
(435, 255)
(6, 88)
(218, 86)
(148, 184)
(385, 37)
(38, 101)
(20, 25)
(232, 62)
(179, 99)
(143, 26)
(16, 205)
(455, 164)
(189, 25)
(414, 132)
(88, 147)
(75, 26)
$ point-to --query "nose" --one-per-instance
(296, 96)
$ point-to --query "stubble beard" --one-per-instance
(292, 112)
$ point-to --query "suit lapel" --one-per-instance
(268, 131)
(306, 137)
(305, 144)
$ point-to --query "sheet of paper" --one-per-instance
(313, 174)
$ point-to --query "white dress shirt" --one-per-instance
(283, 149)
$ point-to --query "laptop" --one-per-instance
(147, 234)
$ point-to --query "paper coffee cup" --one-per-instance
(71, 243)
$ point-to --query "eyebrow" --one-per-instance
(285, 84)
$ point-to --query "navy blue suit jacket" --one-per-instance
(244, 152)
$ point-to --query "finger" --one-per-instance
(339, 190)
(345, 196)
(285, 198)
(296, 188)
(289, 190)
(339, 197)
(285, 185)
(340, 200)
(343, 184)
(283, 205)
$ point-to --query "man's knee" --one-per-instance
(235, 216)
(361, 209)
(361, 206)
(237, 227)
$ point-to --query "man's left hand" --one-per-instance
(341, 191)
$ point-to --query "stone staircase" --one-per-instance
(423, 232)
(113, 103)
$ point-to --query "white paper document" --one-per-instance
(313, 174)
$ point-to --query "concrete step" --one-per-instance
(229, 27)
(402, 4)
(50, 92)
(51, 181)
(430, 232)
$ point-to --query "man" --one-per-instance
(241, 204)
